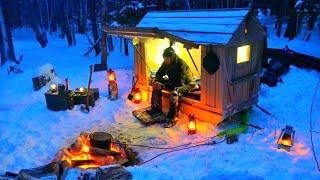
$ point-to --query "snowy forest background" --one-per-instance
(68, 17)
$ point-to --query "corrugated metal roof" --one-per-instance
(199, 26)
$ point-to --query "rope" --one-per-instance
(311, 126)
(175, 150)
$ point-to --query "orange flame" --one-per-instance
(137, 97)
(80, 155)
(111, 76)
(192, 125)
(286, 142)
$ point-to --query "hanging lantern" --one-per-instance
(286, 138)
(111, 76)
(192, 126)
(245, 31)
(82, 89)
(53, 88)
(135, 41)
(137, 97)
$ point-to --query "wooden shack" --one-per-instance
(235, 36)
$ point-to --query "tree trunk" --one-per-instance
(41, 34)
(110, 43)
(188, 3)
(264, 62)
(94, 25)
(104, 40)
(54, 16)
(82, 16)
(282, 13)
(6, 44)
(291, 31)
(311, 21)
(65, 26)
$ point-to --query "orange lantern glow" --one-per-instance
(192, 126)
(111, 76)
(137, 97)
(286, 138)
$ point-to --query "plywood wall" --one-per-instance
(242, 87)
(211, 94)
(140, 64)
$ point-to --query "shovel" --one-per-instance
(86, 107)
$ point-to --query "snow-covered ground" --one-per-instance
(298, 44)
(30, 135)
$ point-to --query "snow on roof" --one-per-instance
(199, 26)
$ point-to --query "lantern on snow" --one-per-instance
(112, 86)
(53, 88)
(286, 138)
(137, 97)
(81, 90)
(111, 75)
(192, 125)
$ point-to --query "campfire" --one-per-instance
(92, 151)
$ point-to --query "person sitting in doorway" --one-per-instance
(174, 75)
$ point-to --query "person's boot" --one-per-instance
(171, 122)
(156, 103)
(172, 116)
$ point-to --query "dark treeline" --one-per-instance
(67, 17)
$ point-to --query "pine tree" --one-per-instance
(6, 45)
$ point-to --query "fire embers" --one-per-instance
(92, 151)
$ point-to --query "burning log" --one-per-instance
(82, 154)
(103, 152)
(92, 151)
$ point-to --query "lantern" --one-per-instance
(113, 91)
(286, 138)
(137, 97)
(82, 89)
(53, 88)
(192, 126)
(111, 76)
(135, 41)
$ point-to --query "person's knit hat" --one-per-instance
(169, 52)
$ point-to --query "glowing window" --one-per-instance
(243, 54)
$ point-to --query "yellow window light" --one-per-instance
(243, 54)
(154, 49)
